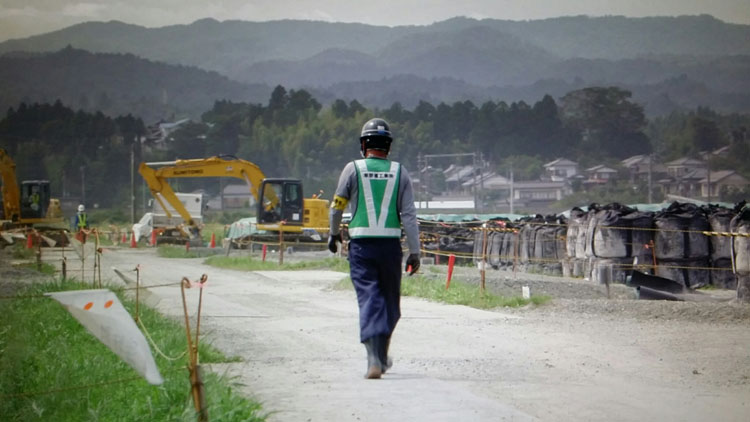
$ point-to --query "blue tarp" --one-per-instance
(456, 218)
(242, 228)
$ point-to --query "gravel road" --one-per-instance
(582, 357)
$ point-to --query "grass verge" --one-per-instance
(170, 251)
(459, 293)
(44, 350)
(247, 263)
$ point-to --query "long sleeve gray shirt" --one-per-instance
(348, 188)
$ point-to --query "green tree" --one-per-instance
(609, 123)
(705, 134)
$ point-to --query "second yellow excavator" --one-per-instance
(281, 206)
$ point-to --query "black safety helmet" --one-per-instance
(376, 134)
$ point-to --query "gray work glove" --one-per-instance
(332, 239)
(413, 262)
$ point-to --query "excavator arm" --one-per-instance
(10, 193)
(156, 178)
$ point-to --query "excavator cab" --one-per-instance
(35, 198)
(281, 200)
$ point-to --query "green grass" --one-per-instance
(171, 251)
(216, 229)
(46, 268)
(19, 251)
(43, 348)
(247, 263)
(459, 293)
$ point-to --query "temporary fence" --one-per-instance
(284, 241)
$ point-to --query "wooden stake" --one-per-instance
(484, 253)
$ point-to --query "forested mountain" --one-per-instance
(493, 59)
(117, 84)
(208, 42)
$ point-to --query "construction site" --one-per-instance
(614, 333)
(271, 212)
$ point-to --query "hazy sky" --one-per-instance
(21, 18)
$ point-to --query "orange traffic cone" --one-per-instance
(132, 240)
(153, 237)
(124, 239)
(187, 246)
(213, 240)
(29, 242)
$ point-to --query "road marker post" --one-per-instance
(451, 263)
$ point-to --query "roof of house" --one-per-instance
(718, 176)
(538, 185)
(561, 162)
(685, 161)
(488, 180)
(601, 168)
(636, 159)
(695, 174)
(459, 174)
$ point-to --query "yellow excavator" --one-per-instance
(28, 204)
(280, 204)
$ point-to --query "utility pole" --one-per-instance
(650, 186)
(83, 185)
(708, 177)
(474, 185)
(512, 194)
(132, 183)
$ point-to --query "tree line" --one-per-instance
(294, 135)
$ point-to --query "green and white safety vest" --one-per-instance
(377, 202)
(81, 221)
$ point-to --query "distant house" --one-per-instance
(721, 179)
(683, 177)
(237, 196)
(639, 167)
(158, 133)
(683, 166)
(486, 181)
(561, 169)
(599, 175)
(536, 194)
(687, 185)
(719, 152)
(456, 176)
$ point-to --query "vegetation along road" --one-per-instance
(296, 337)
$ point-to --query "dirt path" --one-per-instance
(298, 342)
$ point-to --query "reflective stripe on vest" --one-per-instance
(366, 222)
(81, 221)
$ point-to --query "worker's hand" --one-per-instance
(332, 239)
(413, 262)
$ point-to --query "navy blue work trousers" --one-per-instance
(375, 269)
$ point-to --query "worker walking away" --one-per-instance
(81, 224)
(380, 196)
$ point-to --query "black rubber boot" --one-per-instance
(374, 367)
(385, 360)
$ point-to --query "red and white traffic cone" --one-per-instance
(213, 241)
(132, 240)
